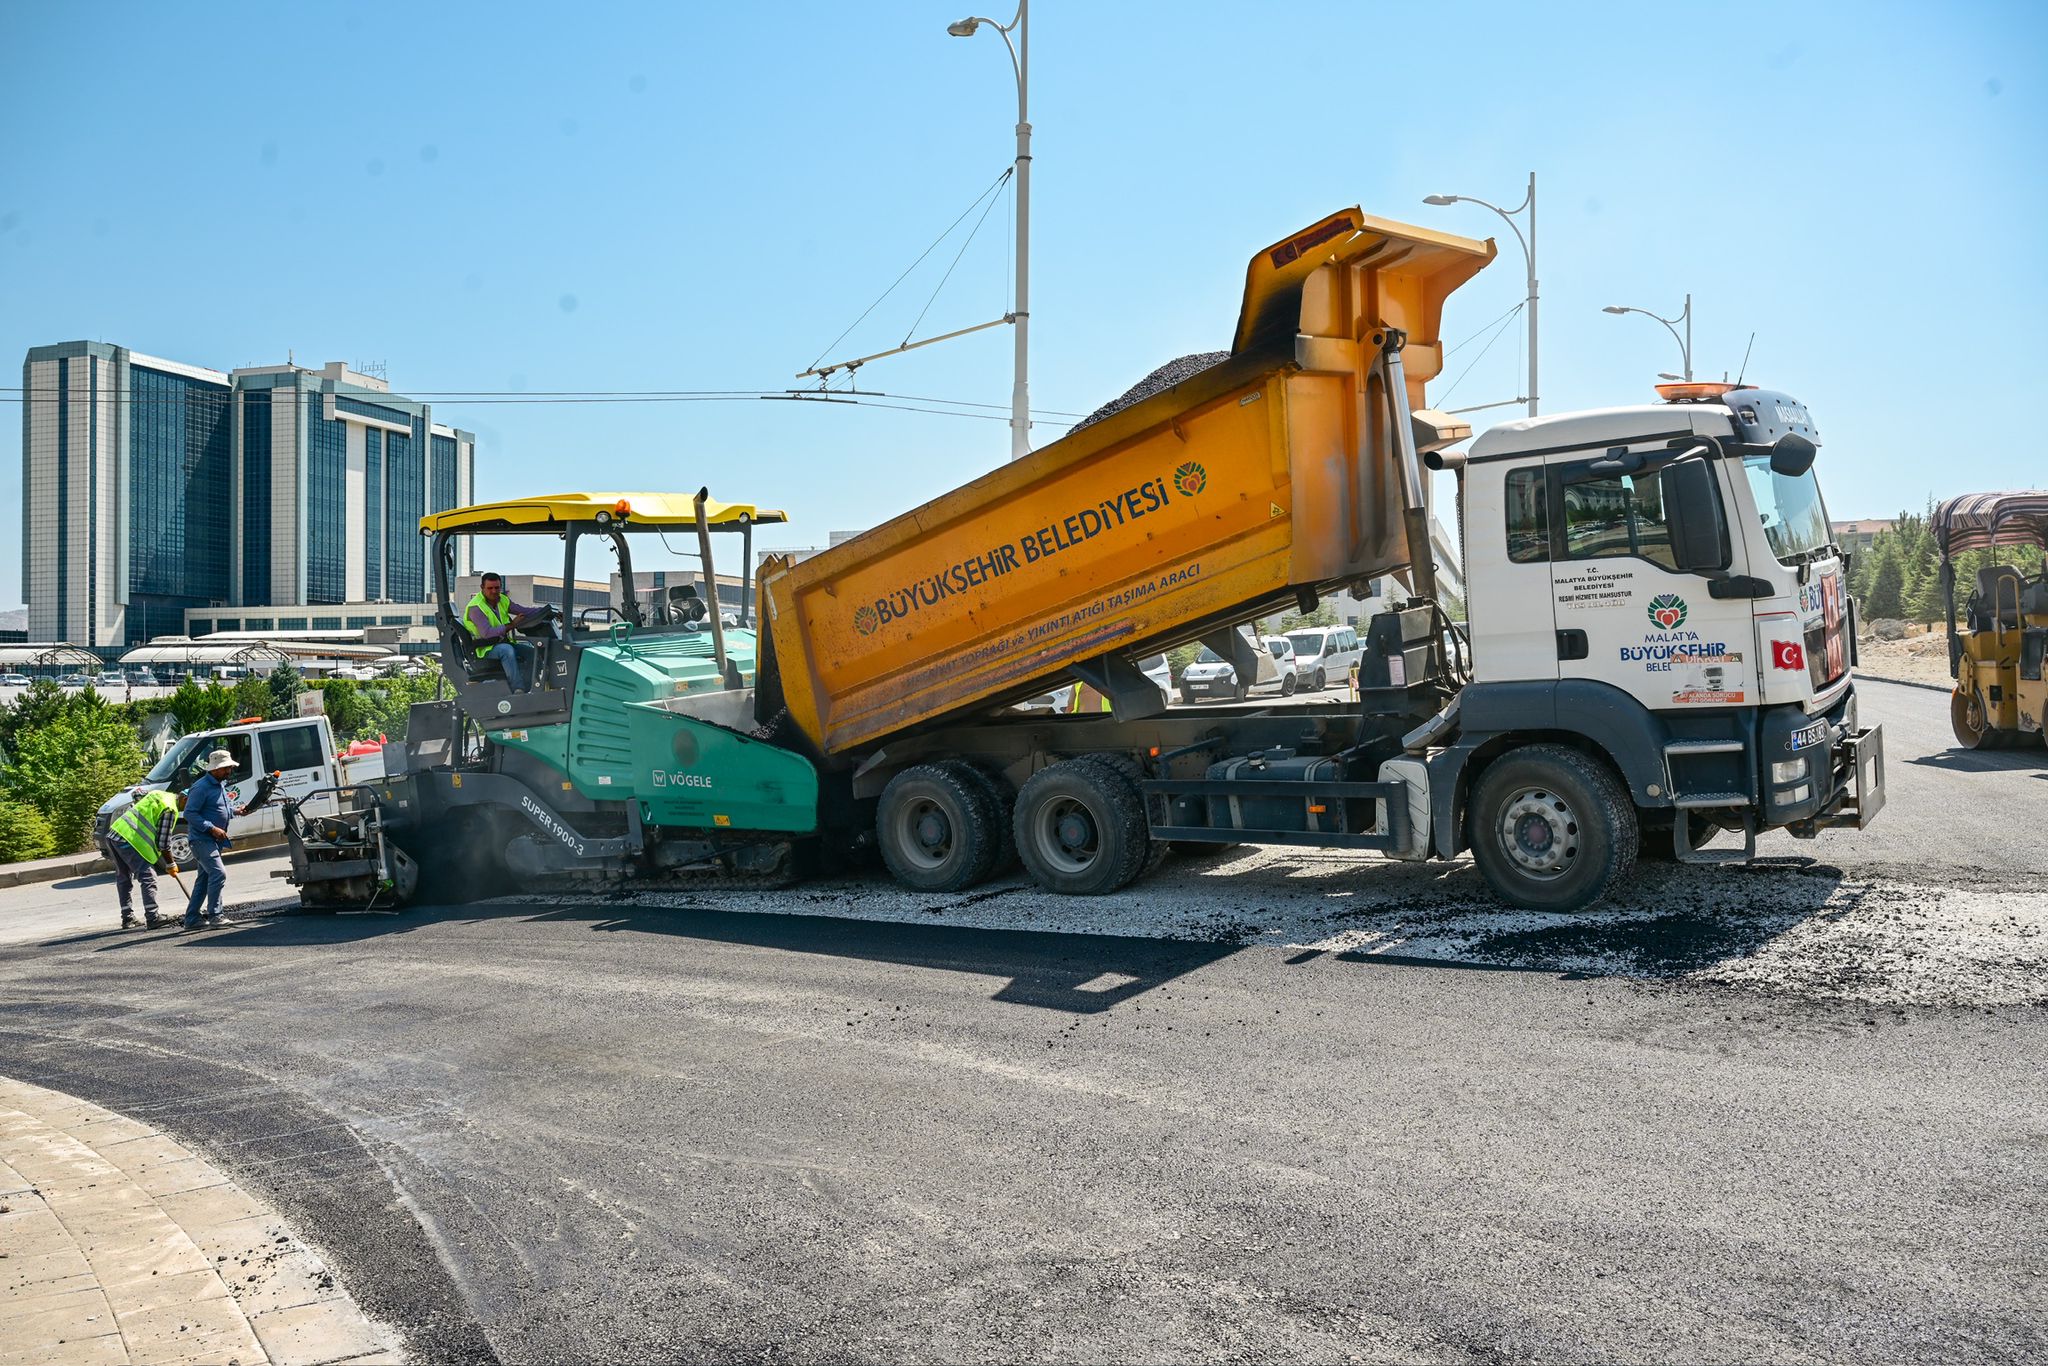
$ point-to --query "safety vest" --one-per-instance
(138, 825)
(500, 618)
(1074, 703)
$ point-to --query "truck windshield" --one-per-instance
(174, 759)
(1795, 520)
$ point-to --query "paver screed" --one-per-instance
(118, 1244)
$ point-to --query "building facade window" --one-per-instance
(225, 624)
(326, 506)
(406, 483)
(395, 621)
(441, 492)
(180, 459)
(373, 512)
(198, 627)
(256, 624)
(356, 623)
(256, 496)
(285, 624)
(327, 623)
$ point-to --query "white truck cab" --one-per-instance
(299, 750)
(1654, 586)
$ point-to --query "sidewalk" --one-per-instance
(119, 1245)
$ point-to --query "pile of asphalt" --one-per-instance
(1165, 377)
(1787, 927)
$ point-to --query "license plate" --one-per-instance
(1808, 736)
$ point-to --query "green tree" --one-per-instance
(24, 833)
(1887, 585)
(201, 706)
(285, 686)
(68, 768)
(1324, 615)
(348, 707)
(38, 705)
(251, 697)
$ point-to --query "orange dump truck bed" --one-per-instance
(1205, 504)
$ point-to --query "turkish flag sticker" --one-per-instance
(1788, 654)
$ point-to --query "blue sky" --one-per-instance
(522, 197)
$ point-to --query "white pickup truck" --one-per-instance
(300, 751)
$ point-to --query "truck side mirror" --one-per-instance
(1792, 455)
(1692, 510)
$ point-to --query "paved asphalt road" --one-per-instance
(1277, 1107)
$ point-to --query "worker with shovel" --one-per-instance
(139, 843)
(208, 809)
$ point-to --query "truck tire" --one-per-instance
(999, 801)
(933, 829)
(1133, 773)
(1080, 828)
(1551, 829)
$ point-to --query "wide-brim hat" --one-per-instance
(220, 758)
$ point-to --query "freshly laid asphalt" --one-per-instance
(613, 1130)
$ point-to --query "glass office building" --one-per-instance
(152, 488)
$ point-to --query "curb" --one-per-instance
(1906, 682)
(50, 869)
(125, 1246)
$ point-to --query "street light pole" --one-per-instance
(1671, 325)
(1528, 257)
(1020, 63)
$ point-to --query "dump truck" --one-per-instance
(1996, 648)
(1658, 648)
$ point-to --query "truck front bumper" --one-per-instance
(1857, 783)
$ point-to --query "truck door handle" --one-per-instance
(1571, 644)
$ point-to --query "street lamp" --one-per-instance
(1528, 256)
(1020, 62)
(1684, 342)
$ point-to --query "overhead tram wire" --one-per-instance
(1000, 180)
(480, 397)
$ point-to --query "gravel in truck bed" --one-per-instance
(1165, 377)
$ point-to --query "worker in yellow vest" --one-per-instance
(139, 843)
(488, 618)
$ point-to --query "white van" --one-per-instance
(300, 751)
(1324, 654)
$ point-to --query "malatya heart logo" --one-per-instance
(1668, 611)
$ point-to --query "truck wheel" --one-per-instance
(1129, 770)
(999, 803)
(1081, 828)
(932, 826)
(181, 849)
(1552, 830)
(1968, 719)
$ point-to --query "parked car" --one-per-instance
(15, 680)
(111, 678)
(1282, 651)
(74, 681)
(143, 678)
(1324, 654)
(1212, 676)
(1159, 671)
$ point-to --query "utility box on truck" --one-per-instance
(1266, 478)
